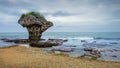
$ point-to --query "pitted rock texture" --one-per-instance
(36, 24)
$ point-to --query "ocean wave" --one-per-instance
(71, 38)
(82, 38)
(107, 38)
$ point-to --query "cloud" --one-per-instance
(24, 10)
(12, 1)
(7, 18)
(77, 20)
(76, 13)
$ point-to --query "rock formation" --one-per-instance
(36, 24)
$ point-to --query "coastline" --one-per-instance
(23, 57)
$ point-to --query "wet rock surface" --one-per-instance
(62, 49)
(114, 56)
(44, 44)
(92, 52)
(75, 47)
(15, 40)
(40, 43)
(86, 52)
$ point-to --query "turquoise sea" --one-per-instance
(107, 42)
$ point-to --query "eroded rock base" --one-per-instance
(40, 43)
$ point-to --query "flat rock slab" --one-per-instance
(92, 52)
(62, 49)
(45, 44)
(40, 43)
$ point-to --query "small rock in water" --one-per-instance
(4, 39)
(96, 53)
(92, 52)
(65, 40)
(116, 50)
(113, 43)
(114, 56)
(88, 49)
(83, 41)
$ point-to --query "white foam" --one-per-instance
(26, 45)
(82, 38)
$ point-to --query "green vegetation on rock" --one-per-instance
(36, 14)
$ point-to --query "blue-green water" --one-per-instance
(108, 42)
(73, 37)
(67, 35)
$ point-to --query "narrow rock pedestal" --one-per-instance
(36, 24)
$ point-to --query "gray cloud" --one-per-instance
(66, 13)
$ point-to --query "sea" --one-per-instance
(106, 42)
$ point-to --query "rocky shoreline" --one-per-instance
(40, 43)
(88, 52)
(56, 46)
(22, 57)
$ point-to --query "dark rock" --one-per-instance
(17, 40)
(88, 49)
(83, 41)
(42, 39)
(114, 56)
(40, 43)
(113, 43)
(65, 40)
(21, 41)
(92, 52)
(96, 53)
(44, 44)
(8, 40)
(4, 39)
(59, 40)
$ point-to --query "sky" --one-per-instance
(67, 15)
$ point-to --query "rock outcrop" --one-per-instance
(92, 52)
(36, 24)
(40, 43)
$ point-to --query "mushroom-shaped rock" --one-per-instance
(35, 24)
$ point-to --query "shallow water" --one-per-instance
(106, 42)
